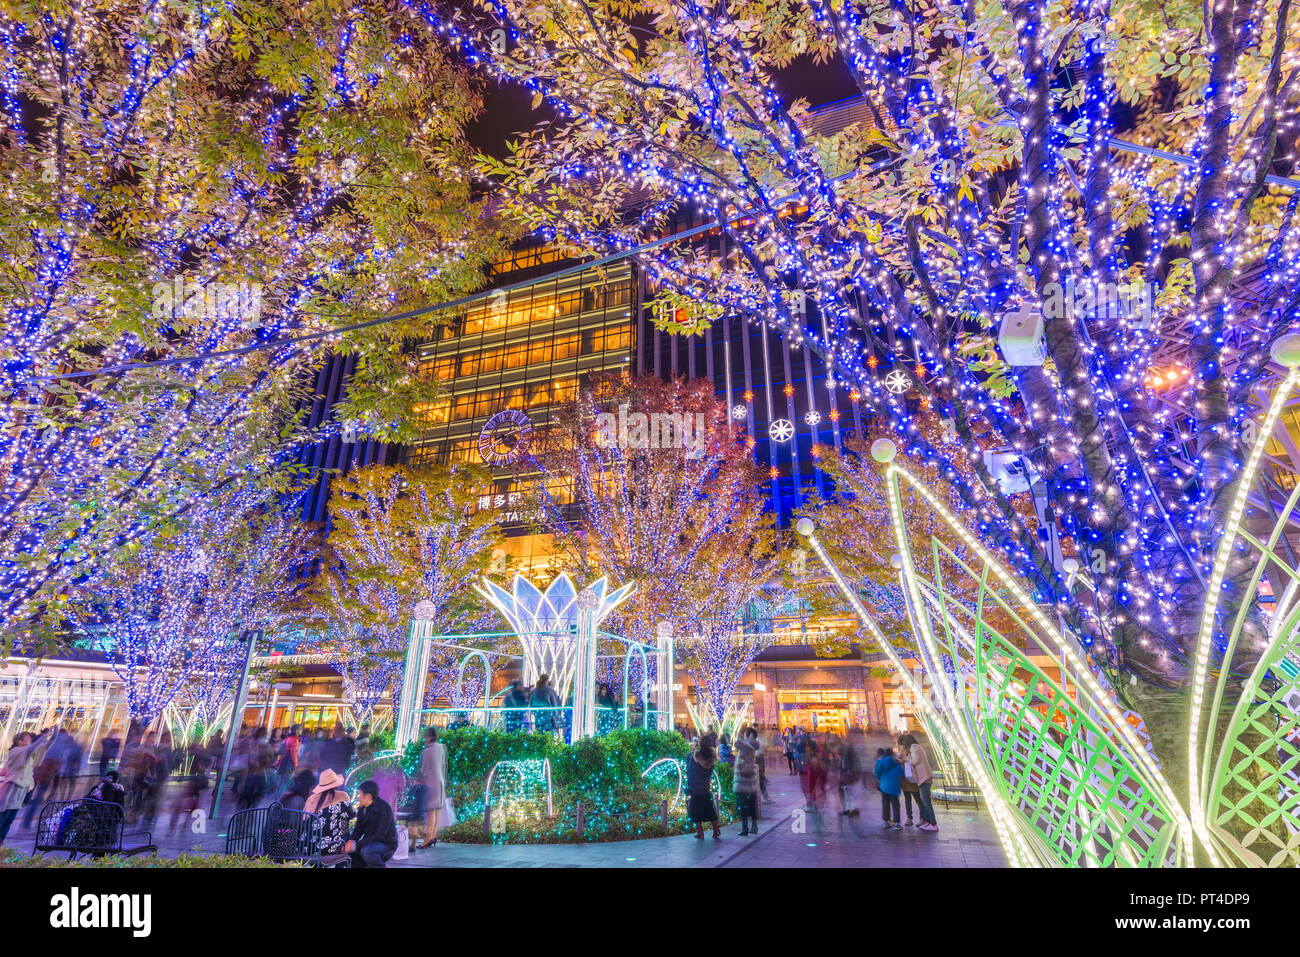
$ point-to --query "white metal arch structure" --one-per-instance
(460, 676)
(547, 622)
(645, 682)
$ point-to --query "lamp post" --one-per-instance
(251, 636)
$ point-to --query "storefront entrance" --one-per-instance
(821, 710)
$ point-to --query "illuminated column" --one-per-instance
(664, 673)
(584, 677)
(414, 674)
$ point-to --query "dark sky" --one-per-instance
(508, 114)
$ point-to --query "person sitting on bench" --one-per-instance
(108, 789)
(374, 838)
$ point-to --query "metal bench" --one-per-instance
(957, 788)
(280, 834)
(89, 827)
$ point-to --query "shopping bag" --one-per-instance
(403, 844)
(448, 816)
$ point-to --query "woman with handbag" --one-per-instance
(699, 792)
(433, 785)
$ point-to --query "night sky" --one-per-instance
(508, 114)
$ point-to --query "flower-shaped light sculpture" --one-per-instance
(546, 622)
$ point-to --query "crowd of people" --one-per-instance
(150, 775)
(824, 763)
(829, 761)
(307, 771)
(539, 707)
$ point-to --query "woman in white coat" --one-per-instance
(433, 784)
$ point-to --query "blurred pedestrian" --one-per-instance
(699, 791)
(45, 774)
(18, 776)
(300, 790)
(253, 783)
(745, 780)
(336, 754)
(850, 772)
(109, 747)
(73, 755)
(287, 759)
(312, 751)
(432, 791)
(814, 782)
(546, 700)
(515, 703)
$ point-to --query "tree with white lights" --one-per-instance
(649, 481)
(641, 497)
(399, 538)
(170, 611)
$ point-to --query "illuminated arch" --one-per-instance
(645, 682)
(460, 678)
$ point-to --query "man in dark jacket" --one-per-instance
(516, 702)
(546, 698)
(374, 838)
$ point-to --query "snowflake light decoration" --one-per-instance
(897, 382)
(781, 430)
(739, 412)
(812, 418)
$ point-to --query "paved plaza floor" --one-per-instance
(788, 837)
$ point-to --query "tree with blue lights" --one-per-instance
(1052, 223)
(197, 196)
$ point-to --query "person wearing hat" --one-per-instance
(109, 789)
(374, 838)
(329, 802)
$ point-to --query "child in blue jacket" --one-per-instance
(890, 775)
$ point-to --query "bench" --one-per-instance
(948, 791)
(88, 827)
(280, 834)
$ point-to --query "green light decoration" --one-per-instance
(527, 780)
(1067, 772)
(658, 774)
(1250, 775)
